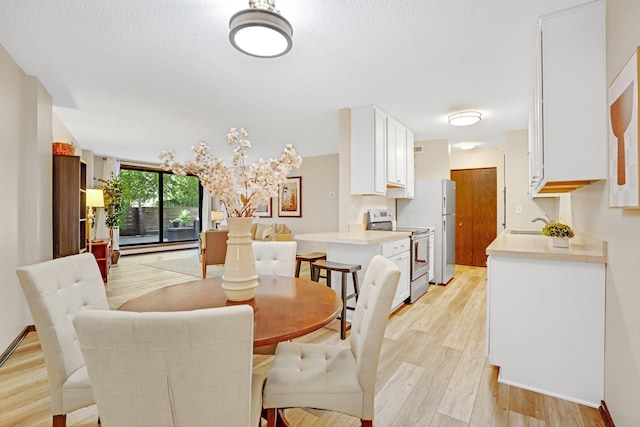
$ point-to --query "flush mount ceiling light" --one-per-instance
(465, 118)
(469, 145)
(260, 30)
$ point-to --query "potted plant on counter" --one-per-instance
(560, 234)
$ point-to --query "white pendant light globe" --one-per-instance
(260, 33)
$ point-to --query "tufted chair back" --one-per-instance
(275, 258)
(370, 321)
(179, 368)
(56, 290)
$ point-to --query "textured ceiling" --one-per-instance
(130, 78)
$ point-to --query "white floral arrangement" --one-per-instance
(240, 188)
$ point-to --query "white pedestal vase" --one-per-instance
(239, 276)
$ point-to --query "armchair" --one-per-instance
(213, 244)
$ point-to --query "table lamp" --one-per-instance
(216, 217)
(95, 199)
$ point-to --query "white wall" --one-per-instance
(516, 178)
(26, 123)
(433, 162)
(320, 195)
(621, 228)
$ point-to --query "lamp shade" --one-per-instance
(465, 118)
(95, 198)
(217, 215)
(261, 33)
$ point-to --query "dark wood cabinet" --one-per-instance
(69, 205)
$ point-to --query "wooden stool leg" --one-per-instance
(298, 262)
(315, 273)
(343, 318)
(355, 284)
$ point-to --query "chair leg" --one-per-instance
(272, 417)
(367, 423)
(204, 264)
(60, 420)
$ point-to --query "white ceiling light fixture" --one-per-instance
(468, 145)
(260, 30)
(465, 118)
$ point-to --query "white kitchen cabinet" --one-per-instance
(408, 190)
(545, 326)
(396, 153)
(368, 151)
(398, 252)
(568, 117)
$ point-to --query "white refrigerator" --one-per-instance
(434, 205)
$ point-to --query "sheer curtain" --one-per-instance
(108, 165)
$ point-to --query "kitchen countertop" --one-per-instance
(582, 248)
(362, 237)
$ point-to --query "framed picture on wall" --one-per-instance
(264, 211)
(290, 198)
(624, 189)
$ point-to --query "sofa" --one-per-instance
(270, 232)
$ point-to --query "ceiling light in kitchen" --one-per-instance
(260, 30)
(465, 118)
(467, 145)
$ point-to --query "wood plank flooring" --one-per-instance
(432, 369)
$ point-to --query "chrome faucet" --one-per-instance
(545, 220)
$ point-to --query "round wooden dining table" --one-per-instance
(283, 307)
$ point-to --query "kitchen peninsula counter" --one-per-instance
(582, 248)
(359, 247)
(363, 237)
(545, 315)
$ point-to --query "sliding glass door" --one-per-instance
(161, 208)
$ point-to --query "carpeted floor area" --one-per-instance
(188, 265)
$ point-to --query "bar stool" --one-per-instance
(345, 269)
(310, 258)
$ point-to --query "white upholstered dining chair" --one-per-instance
(56, 291)
(337, 378)
(275, 258)
(173, 369)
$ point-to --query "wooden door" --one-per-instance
(476, 214)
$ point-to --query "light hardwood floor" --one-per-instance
(432, 371)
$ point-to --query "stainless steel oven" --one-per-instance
(382, 219)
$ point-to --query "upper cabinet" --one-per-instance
(368, 151)
(407, 191)
(381, 154)
(568, 118)
(396, 153)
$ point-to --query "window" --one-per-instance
(160, 207)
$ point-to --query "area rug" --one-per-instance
(189, 266)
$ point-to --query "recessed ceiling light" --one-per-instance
(260, 30)
(465, 118)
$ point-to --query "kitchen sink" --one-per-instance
(532, 232)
